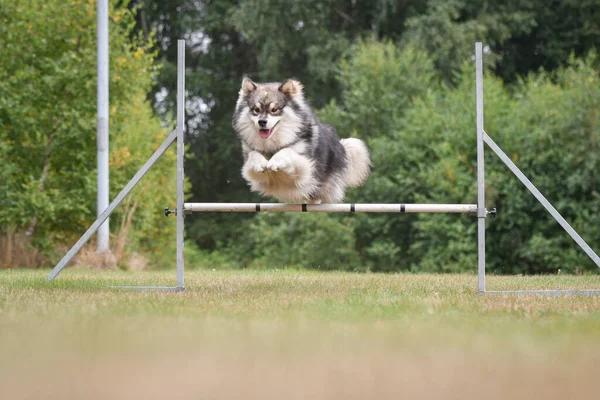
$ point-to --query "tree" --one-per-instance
(47, 126)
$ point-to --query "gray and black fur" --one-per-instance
(288, 153)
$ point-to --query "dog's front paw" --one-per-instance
(281, 162)
(257, 162)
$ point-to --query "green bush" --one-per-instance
(314, 241)
(552, 135)
(547, 126)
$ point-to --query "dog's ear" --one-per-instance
(247, 87)
(291, 88)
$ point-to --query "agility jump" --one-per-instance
(478, 210)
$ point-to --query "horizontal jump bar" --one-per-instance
(368, 208)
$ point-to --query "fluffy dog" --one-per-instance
(288, 153)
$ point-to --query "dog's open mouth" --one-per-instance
(264, 133)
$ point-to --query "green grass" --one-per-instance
(295, 334)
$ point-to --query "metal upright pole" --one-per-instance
(102, 123)
(180, 155)
(481, 211)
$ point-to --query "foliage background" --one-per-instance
(396, 73)
(47, 132)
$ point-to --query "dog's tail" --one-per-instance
(359, 162)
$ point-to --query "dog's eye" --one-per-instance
(256, 110)
(274, 110)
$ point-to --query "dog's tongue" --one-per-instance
(264, 133)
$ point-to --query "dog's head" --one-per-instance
(264, 110)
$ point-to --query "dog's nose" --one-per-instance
(262, 123)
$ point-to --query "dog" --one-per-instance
(288, 153)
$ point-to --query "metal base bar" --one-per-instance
(331, 208)
(151, 288)
(558, 292)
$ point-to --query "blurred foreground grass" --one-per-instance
(295, 334)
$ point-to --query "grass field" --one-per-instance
(295, 335)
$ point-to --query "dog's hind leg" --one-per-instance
(333, 190)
